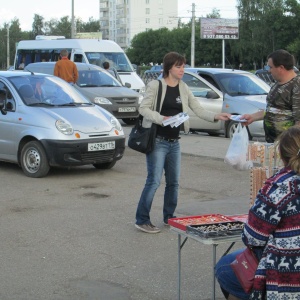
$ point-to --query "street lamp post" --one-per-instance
(8, 62)
(72, 22)
(193, 37)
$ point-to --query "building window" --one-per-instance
(160, 21)
(147, 1)
(147, 11)
(160, 11)
(147, 20)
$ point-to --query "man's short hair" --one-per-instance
(64, 53)
(282, 58)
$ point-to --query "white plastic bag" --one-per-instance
(236, 155)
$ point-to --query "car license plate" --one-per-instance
(101, 146)
(127, 109)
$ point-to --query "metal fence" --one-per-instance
(147, 77)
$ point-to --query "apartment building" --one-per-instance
(121, 20)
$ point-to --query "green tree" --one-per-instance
(37, 25)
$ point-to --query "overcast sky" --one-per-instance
(25, 10)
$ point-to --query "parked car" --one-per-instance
(45, 122)
(239, 92)
(266, 76)
(155, 69)
(100, 88)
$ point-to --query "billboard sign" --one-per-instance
(224, 29)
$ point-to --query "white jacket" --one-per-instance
(148, 106)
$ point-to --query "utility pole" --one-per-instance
(8, 62)
(193, 37)
(72, 21)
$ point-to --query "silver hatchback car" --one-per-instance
(45, 122)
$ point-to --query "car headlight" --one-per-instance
(115, 123)
(102, 100)
(64, 127)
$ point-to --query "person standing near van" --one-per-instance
(66, 69)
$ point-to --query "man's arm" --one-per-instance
(253, 117)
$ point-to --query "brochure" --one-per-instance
(176, 120)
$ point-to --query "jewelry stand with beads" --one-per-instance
(266, 156)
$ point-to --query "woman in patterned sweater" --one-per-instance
(273, 231)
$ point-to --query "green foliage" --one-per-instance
(264, 26)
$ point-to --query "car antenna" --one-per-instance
(229, 64)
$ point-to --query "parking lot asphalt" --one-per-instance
(71, 235)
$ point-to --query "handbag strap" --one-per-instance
(159, 95)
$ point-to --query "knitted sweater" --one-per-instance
(274, 222)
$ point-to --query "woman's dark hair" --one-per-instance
(288, 144)
(282, 58)
(171, 59)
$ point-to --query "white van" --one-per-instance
(91, 51)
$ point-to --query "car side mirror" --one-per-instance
(127, 84)
(212, 95)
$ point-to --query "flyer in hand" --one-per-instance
(176, 120)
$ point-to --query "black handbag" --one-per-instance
(143, 139)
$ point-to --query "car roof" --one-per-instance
(217, 70)
(80, 66)
(8, 74)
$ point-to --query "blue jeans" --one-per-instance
(166, 156)
(226, 277)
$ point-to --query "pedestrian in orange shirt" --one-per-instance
(66, 69)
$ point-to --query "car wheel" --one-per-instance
(33, 160)
(129, 121)
(231, 128)
(106, 166)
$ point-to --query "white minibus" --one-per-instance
(91, 51)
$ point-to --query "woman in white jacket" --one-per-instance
(176, 98)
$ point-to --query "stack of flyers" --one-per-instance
(176, 120)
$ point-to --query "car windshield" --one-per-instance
(47, 91)
(94, 78)
(117, 60)
(242, 84)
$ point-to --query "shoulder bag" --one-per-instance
(143, 139)
(244, 267)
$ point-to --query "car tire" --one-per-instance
(33, 160)
(231, 128)
(129, 121)
(105, 166)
